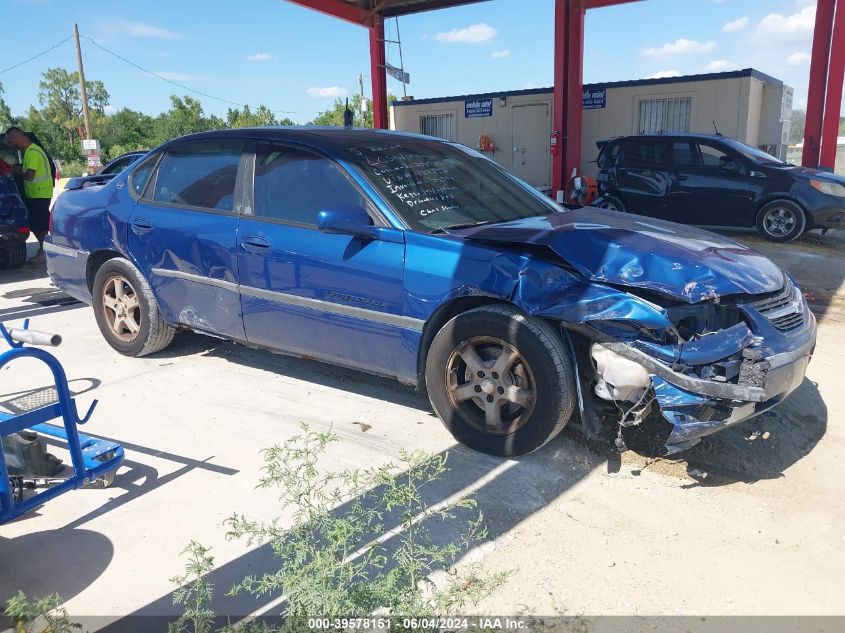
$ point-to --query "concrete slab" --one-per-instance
(584, 530)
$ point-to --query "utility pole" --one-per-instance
(363, 104)
(82, 89)
(401, 61)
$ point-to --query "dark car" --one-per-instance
(420, 259)
(14, 224)
(108, 171)
(713, 180)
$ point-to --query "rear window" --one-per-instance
(645, 154)
(199, 174)
(141, 175)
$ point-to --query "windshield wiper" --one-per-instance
(468, 225)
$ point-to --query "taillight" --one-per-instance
(50, 223)
(23, 229)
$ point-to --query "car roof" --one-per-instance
(323, 138)
(676, 135)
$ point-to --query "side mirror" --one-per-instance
(728, 164)
(353, 219)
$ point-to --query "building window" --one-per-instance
(439, 125)
(665, 115)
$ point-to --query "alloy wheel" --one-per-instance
(490, 385)
(780, 221)
(121, 308)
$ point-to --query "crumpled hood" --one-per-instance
(679, 261)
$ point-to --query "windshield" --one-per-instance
(434, 185)
(754, 154)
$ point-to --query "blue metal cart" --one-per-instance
(91, 458)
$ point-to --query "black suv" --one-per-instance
(713, 180)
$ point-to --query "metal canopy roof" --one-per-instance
(391, 8)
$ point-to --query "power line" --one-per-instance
(26, 61)
(182, 86)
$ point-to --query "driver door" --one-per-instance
(338, 298)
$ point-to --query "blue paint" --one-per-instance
(366, 299)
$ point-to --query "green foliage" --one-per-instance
(6, 119)
(194, 592)
(796, 127)
(363, 541)
(44, 613)
(260, 117)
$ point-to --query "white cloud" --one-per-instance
(776, 27)
(720, 65)
(331, 91)
(500, 54)
(798, 59)
(140, 29)
(735, 25)
(475, 34)
(178, 76)
(259, 57)
(681, 46)
(664, 74)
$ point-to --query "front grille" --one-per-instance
(782, 308)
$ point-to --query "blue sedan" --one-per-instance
(420, 259)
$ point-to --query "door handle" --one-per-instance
(682, 177)
(141, 226)
(255, 243)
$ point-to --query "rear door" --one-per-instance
(711, 186)
(182, 235)
(644, 175)
(334, 297)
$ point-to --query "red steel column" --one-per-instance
(835, 79)
(378, 72)
(575, 87)
(818, 80)
(559, 177)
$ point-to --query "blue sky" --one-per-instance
(295, 60)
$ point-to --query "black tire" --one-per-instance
(119, 276)
(781, 221)
(542, 370)
(611, 202)
(13, 256)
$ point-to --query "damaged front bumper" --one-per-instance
(769, 365)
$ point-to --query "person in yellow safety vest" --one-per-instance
(37, 183)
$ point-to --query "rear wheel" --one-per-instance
(13, 256)
(126, 310)
(610, 202)
(500, 381)
(781, 221)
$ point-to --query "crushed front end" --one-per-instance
(717, 363)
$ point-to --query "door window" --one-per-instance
(716, 157)
(199, 174)
(685, 155)
(294, 185)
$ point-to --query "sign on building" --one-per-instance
(474, 108)
(594, 99)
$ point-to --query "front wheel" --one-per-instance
(781, 221)
(126, 310)
(500, 381)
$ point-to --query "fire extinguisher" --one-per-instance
(554, 143)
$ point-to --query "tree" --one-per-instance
(6, 118)
(796, 127)
(334, 117)
(60, 97)
(184, 117)
(125, 131)
(247, 118)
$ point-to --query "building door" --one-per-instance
(531, 132)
